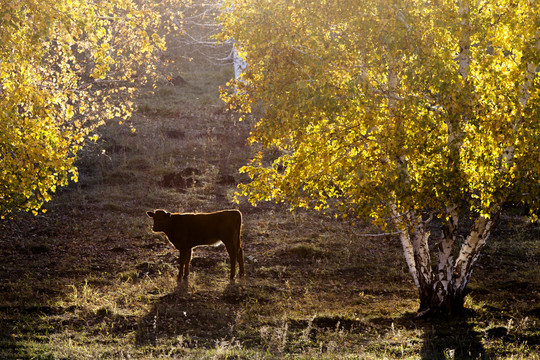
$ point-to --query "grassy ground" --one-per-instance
(90, 280)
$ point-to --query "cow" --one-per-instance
(186, 231)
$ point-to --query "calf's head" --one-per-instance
(162, 220)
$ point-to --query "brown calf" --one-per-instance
(186, 231)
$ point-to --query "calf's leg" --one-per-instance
(187, 263)
(232, 256)
(239, 251)
(184, 262)
(241, 261)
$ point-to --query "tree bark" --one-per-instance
(423, 265)
(470, 251)
(441, 288)
(444, 282)
(414, 240)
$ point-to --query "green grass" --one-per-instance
(90, 280)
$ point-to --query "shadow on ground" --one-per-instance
(200, 319)
(454, 339)
(442, 338)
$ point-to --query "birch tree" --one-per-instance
(65, 67)
(422, 116)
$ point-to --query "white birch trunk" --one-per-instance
(412, 230)
(421, 255)
(423, 268)
(444, 284)
(406, 243)
(470, 250)
(414, 240)
(465, 41)
(408, 251)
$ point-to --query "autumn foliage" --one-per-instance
(66, 67)
(398, 111)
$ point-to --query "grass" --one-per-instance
(90, 280)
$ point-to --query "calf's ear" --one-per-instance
(150, 214)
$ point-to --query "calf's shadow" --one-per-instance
(199, 319)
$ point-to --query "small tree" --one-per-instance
(65, 67)
(400, 111)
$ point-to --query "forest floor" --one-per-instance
(90, 280)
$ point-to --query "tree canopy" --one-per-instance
(399, 111)
(66, 67)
